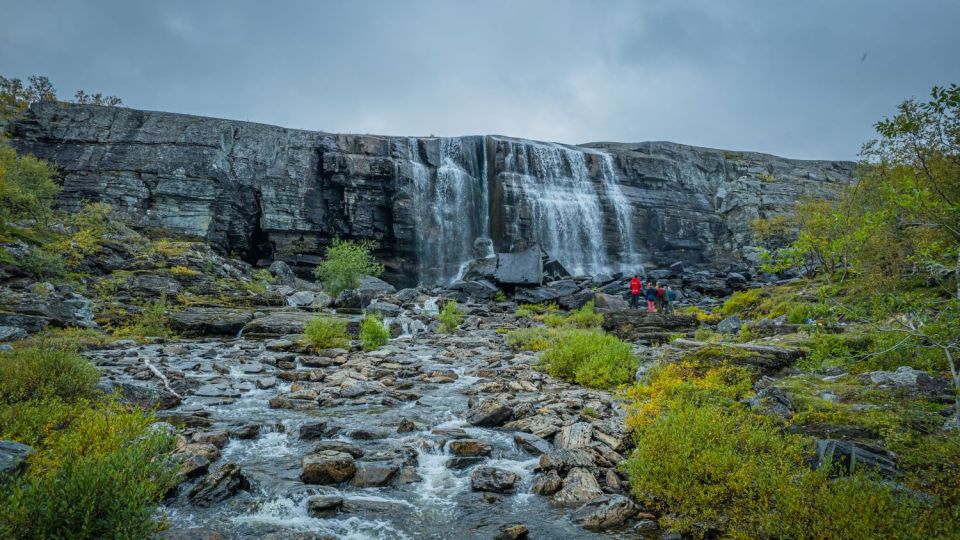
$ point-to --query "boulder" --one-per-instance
(490, 413)
(13, 458)
(564, 460)
(191, 533)
(327, 467)
(549, 293)
(146, 396)
(553, 269)
(470, 447)
(547, 484)
(849, 457)
(278, 323)
(479, 290)
(523, 268)
(908, 378)
(531, 443)
(486, 478)
(313, 430)
(212, 321)
(513, 531)
(384, 309)
(576, 300)
(576, 435)
(369, 289)
(324, 506)
(12, 333)
(605, 303)
(579, 487)
(730, 325)
(374, 474)
(284, 274)
(219, 486)
(605, 512)
(339, 446)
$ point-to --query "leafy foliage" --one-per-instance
(585, 317)
(589, 357)
(451, 317)
(346, 262)
(27, 189)
(325, 332)
(43, 373)
(373, 333)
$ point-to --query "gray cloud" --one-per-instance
(774, 76)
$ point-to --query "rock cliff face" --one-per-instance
(268, 192)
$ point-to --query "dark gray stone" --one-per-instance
(849, 457)
(13, 457)
(219, 486)
(523, 268)
(215, 321)
(492, 479)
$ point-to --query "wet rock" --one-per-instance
(374, 474)
(493, 479)
(327, 467)
(13, 458)
(470, 447)
(194, 465)
(531, 443)
(369, 289)
(574, 436)
(849, 457)
(547, 484)
(384, 309)
(368, 435)
(324, 506)
(523, 268)
(192, 533)
(460, 463)
(340, 446)
(216, 390)
(219, 486)
(246, 432)
(579, 487)
(490, 413)
(406, 426)
(296, 404)
(313, 430)
(515, 531)
(605, 512)
(145, 396)
(564, 460)
(213, 321)
(266, 383)
(208, 451)
(278, 323)
(218, 438)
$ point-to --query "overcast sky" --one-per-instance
(803, 79)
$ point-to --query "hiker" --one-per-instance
(669, 300)
(651, 296)
(635, 286)
(661, 292)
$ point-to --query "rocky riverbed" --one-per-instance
(431, 436)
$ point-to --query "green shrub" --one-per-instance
(324, 332)
(536, 338)
(451, 317)
(589, 357)
(742, 302)
(532, 310)
(153, 321)
(265, 276)
(27, 189)
(346, 262)
(585, 317)
(39, 373)
(500, 296)
(42, 264)
(800, 313)
(98, 474)
(373, 333)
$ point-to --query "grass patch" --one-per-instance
(451, 317)
(373, 333)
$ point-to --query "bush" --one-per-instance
(742, 302)
(589, 357)
(324, 332)
(536, 338)
(373, 333)
(153, 321)
(40, 373)
(42, 264)
(99, 474)
(451, 317)
(265, 276)
(585, 317)
(27, 189)
(346, 262)
(532, 310)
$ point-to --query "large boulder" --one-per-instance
(847, 457)
(34, 311)
(278, 323)
(479, 290)
(579, 487)
(490, 413)
(522, 268)
(605, 303)
(284, 273)
(144, 395)
(549, 293)
(370, 288)
(492, 479)
(605, 512)
(374, 474)
(327, 467)
(212, 321)
(909, 379)
(219, 485)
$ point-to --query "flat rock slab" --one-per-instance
(278, 323)
(214, 321)
(13, 456)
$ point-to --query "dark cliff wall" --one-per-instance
(269, 192)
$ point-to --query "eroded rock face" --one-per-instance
(270, 192)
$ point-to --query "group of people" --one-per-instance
(658, 298)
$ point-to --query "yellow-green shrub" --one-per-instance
(373, 333)
(589, 357)
(585, 317)
(153, 321)
(39, 373)
(532, 310)
(742, 302)
(536, 338)
(324, 332)
(451, 317)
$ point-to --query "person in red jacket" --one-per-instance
(635, 286)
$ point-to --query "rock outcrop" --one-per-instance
(268, 192)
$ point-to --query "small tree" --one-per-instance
(346, 262)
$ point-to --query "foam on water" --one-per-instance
(292, 514)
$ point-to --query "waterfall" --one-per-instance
(567, 200)
(567, 211)
(451, 205)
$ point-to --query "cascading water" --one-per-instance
(567, 211)
(451, 205)
(554, 198)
